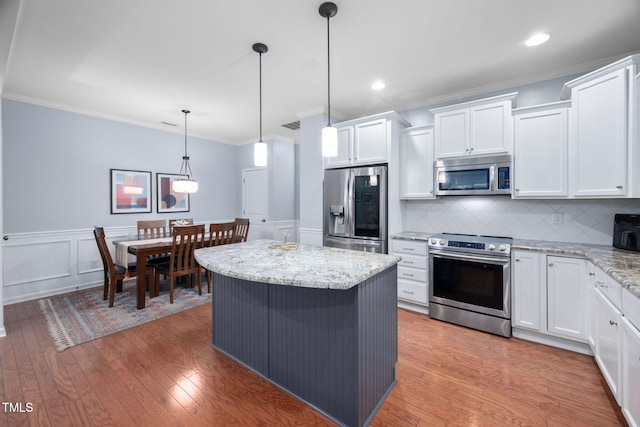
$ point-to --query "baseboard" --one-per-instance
(552, 341)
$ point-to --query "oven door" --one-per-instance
(470, 282)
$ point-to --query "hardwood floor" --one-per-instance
(165, 373)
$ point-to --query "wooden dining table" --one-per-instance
(141, 249)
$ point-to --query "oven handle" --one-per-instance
(473, 258)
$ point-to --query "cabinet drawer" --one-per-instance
(412, 274)
(412, 261)
(412, 291)
(609, 287)
(409, 247)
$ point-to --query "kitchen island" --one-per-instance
(320, 323)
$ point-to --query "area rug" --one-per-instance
(81, 316)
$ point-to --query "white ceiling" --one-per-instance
(143, 61)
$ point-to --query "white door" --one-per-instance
(254, 201)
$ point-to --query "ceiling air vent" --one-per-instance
(293, 125)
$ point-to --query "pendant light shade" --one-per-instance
(329, 133)
(185, 183)
(329, 141)
(260, 147)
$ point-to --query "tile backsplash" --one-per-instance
(575, 221)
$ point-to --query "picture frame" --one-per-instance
(130, 191)
(168, 200)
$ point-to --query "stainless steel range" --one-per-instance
(469, 281)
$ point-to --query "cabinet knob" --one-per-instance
(619, 187)
(550, 264)
(517, 259)
(471, 149)
(517, 189)
(592, 274)
(408, 292)
(612, 323)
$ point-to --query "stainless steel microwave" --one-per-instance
(478, 175)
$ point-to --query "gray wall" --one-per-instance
(61, 161)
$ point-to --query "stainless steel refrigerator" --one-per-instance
(355, 208)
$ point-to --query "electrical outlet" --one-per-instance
(557, 218)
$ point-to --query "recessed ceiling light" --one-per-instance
(378, 85)
(537, 39)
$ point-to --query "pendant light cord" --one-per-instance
(328, 75)
(260, 96)
(185, 159)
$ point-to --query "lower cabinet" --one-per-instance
(412, 271)
(630, 373)
(608, 339)
(567, 297)
(549, 294)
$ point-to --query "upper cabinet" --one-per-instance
(541, 136)
(474, 128)
(604, 147)
(366, 141)
(416, 163)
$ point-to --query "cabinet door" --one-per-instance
(598, 143)
(371, 142)
(608, 329)
(591, 305)
(345, 145)
(567, 297)
(452, 133)
(527, 290)
(416, 164)
(491, 129)
(540, 154)
(630, 386)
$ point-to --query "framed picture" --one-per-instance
(130, 191)
(167, 199)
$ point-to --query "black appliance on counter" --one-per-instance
(626, 232)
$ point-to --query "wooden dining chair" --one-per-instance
(172, 223)
(152, 229)
(219, 234)
(182, 262)
(241, 230)
(113, 274)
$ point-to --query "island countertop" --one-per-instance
(307, 266)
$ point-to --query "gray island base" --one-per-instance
(329, 341)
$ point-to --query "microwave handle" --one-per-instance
(492, 177)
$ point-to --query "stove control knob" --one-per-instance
(503, 248)
(433, 241)
(492, 247)
(441, 241)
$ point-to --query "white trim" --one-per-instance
(578, 347)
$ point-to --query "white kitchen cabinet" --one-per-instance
(416, 163)
(527, 297)
(567, 297)
(540, 151)
(474, 128)
(604, 139)
(630, 375)
(366, 141)
(412, 270)
(549, 294)
(608, 339)
(591, 298)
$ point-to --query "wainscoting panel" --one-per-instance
(311, 236)
(30, 262)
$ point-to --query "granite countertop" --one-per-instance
(306, 266)
(621, 265)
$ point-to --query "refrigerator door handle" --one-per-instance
(349, 204)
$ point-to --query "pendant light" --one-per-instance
(329, 133)
(260, 147)
(185, 183)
